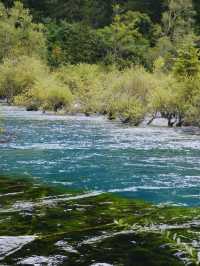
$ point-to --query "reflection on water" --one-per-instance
(160, 165)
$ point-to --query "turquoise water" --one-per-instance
(156, 164)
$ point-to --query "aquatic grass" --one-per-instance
(106, 220)
(176, 241)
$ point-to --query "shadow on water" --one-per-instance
(45, 225)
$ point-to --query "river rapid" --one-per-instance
(156, 164)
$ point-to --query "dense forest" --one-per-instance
(124, 59)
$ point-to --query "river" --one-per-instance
(156, 164)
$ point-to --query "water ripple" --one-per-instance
(153, 163)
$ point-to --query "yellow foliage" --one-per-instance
(27, 80)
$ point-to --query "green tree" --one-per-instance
(127, 38)
(18, 34)
(187, 62)
(164, 48)
(177, 29)
(97, 13)
(168, 99)
(178, 20)
(73, 44)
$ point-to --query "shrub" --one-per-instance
(126, 94)
(51, 94)
(170, 98)
(18, 75)
(85, 83)
(192, 106)
(27, 81)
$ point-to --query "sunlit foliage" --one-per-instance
(128, 66)
(18, 34)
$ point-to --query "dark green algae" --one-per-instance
(86, 228)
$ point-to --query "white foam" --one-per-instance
(101, 264)
(129, 189)
(9, 244)
(101, 238)
(65, 246)
(41, 260)
(28, 205)
(11, 194)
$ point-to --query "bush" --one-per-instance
(126, 94)
(51, 94)
(192, 106)
(120, 94)
(17, 76)
(85, 83)
(172, 98)
(27, 81)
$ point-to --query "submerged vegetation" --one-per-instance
(74, 228)
(128, 64)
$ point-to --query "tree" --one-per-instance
(18, 34)
(127, 38)
(165, 49)
(187, 63)
(126, 96)
(178, 20)
(177, 28)
(192, 114)
(168, 99)
(73, 43)
(153, 8)
(96, 13)
(186, 69)
(85, 81)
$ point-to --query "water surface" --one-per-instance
(156, 164)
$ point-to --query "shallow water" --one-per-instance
(40, 226)
(156, 164)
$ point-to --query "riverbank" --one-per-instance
(158, 121)
(131, 95)
(39, 223)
